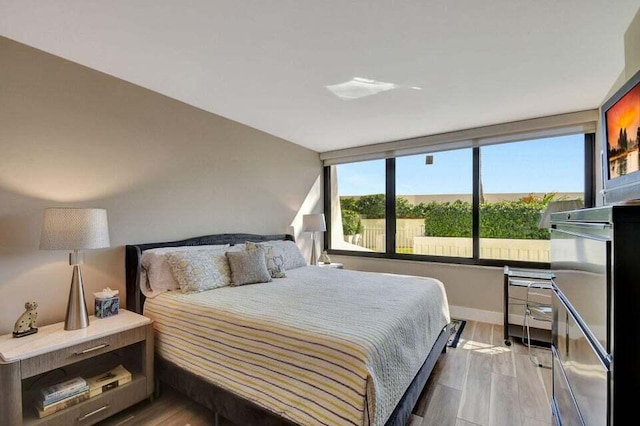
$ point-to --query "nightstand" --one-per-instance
(53, 355)
(330, 265)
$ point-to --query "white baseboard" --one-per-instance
(491, 317)
(472, 314)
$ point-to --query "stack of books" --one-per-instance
(109, 380)
(62, 395)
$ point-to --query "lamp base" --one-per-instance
(314, 256)
(77, 316)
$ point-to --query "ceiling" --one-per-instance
(453, 64)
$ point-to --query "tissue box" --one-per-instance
(107, 306)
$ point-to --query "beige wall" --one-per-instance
(632, 47)
(71, 136)
(476, 287)
(481, 287)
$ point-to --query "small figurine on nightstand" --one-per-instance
(324, 258)
(26, 324)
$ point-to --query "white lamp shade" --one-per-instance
(313, 223)
(557, 206)
(74, 229)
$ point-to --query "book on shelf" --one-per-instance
(46, 403)
(109, 380)
(62, 390)
(44, 411)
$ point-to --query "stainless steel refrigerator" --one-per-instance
(595, 256)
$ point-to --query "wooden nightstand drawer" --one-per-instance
(98, 408)
(72, 354)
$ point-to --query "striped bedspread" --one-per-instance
(320, 347)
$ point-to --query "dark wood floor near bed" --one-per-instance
(481, 382)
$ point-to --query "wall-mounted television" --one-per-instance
(621, 144)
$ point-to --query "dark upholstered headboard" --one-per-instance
(133, 258)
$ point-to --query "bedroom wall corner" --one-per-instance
(72, 136)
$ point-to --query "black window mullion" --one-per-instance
(390, 206)
(589, 170)
(475, 209)
(327, 205)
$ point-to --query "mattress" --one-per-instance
(321, 347)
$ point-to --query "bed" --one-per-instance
(316, 347)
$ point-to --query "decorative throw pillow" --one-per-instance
(159, 276)
(248, 266)
(274, 259)
(158, 272)
(200, 270)
(290, 252)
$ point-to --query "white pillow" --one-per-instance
(290, 252)
(158, 271)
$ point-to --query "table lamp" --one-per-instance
(313, 223)
(75, 230)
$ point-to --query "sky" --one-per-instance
(543, 165)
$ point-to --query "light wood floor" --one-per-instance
(481, 382)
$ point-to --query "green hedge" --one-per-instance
(447, 219)
(512, 219)
(505, 219)
(351, 223)
(373, 207)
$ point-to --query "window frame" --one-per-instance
(390, 214)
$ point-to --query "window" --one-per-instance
(359, 206)
(477, 205)
(518, 180)
(433, 204)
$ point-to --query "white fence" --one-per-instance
(373, 234)
(410, 239)
(443, 246)
(490, 248)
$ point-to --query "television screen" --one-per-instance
(623, 134)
